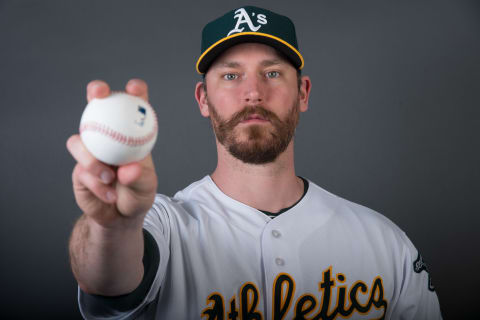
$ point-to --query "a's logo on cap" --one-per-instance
(242, 17)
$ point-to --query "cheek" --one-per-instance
(284, 96)
(226, 102)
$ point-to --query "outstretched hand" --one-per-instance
(112, 196)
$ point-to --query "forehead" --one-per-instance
(249, 53)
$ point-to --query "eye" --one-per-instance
(273, 74)
(230, 76)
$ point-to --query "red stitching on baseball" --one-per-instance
(117, 136)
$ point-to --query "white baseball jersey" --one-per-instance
(324, 258)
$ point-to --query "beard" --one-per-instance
(261, 143)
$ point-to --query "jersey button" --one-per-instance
(279, 261)
(276, 234)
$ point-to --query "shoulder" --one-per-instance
(368, 232)
(355, 217)
(184, 204)
(370, 236)
(193, 187)
(190, 193)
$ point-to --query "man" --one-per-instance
(252, 240)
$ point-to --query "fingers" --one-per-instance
(100, 89)
(83, 179)
(96, 168)
(137, 87)
(97, 89)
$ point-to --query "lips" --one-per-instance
(254, 118)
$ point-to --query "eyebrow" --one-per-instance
(231, 64)
(268, 63)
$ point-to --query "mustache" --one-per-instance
(249, 111)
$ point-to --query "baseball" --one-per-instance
(119, 129)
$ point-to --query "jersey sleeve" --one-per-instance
(418, 299)
(141, 301)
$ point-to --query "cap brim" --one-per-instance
(221, 45)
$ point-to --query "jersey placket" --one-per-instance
(280, 263)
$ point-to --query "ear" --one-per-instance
(304, 93)
(201, 97)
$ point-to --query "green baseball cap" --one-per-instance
(248, 24)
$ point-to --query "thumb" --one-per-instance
(138, 176)
(129, 173)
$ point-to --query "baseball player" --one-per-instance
(252, 240)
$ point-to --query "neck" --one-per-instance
(269, 187)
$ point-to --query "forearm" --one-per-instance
(107, 261)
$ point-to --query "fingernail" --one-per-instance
(110, 196)
(106, 177)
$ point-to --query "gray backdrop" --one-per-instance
(393, 122)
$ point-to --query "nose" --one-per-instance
(254, 90)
